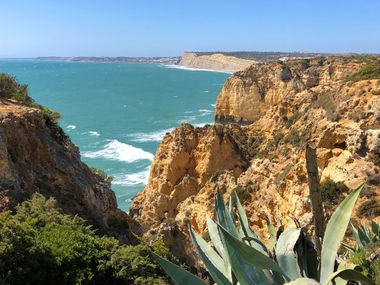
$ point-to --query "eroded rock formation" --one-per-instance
(269, 111)
(36, 156)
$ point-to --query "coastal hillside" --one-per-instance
(214, 61)
(265, 115)
(37, 157)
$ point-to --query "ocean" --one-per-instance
(117, 113)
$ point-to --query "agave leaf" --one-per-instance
(272, 235)
(218, 244)
(224, 216)
(213, 262)
(376, 230)
(364, 235)
(248, 264)
(349, 275)
(249, 234)
(335, 230)
(179, 275)
(356, 236)
(285, 252)
(348, 248)
(214, 236)
(307, 257)
(303, 281)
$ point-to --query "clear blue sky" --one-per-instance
(169, 27)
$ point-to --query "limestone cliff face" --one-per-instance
(282, 108)
(215, 61)
(36, 156)
(248, 94)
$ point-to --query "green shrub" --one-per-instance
(216, 175)
(292, 119)
(102, 174)
(40, 245)
(11, 89)
(331, 191)
(242, 193)
(304, 64)
(368, 258)
(273, 143)
(370, 71)
(134, 264)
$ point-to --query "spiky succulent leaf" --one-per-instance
(179, 275)
(285, 252)
(335, 230)
(376, 230)
(349, 275)
(249, 234)
(307, 257)
(224, 217)
(213, 262)
(248, 264)
(272, 235)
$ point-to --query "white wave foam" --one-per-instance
(195, 69)
(156, 136)
(71, 127)
(204, 112)
(132, 179)
(200, 125)
(116, 150)
(93, 133)
(206, 91)
(213, 105)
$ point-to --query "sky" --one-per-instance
(170, 27)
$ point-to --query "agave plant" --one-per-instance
(237, 256)
(364, 236)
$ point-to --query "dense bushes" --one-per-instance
(40, 245)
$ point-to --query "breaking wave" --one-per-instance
(132, 179)
(156, 136)
(116, 150)
(71, 127)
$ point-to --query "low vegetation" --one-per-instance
(366, 252)
(102, 174)
(216, 175)
(238, 255)
(331, 191)
(370, 71)
(11, 90)
(41, 245)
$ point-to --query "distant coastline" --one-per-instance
(158, 60)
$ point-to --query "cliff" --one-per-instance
(279, 107)
(36, 156)
(215, 61)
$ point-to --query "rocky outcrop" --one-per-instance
(36, 156)
(279, 107)
(217, 61)
(247, 95)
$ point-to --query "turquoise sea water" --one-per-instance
(117, 113)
